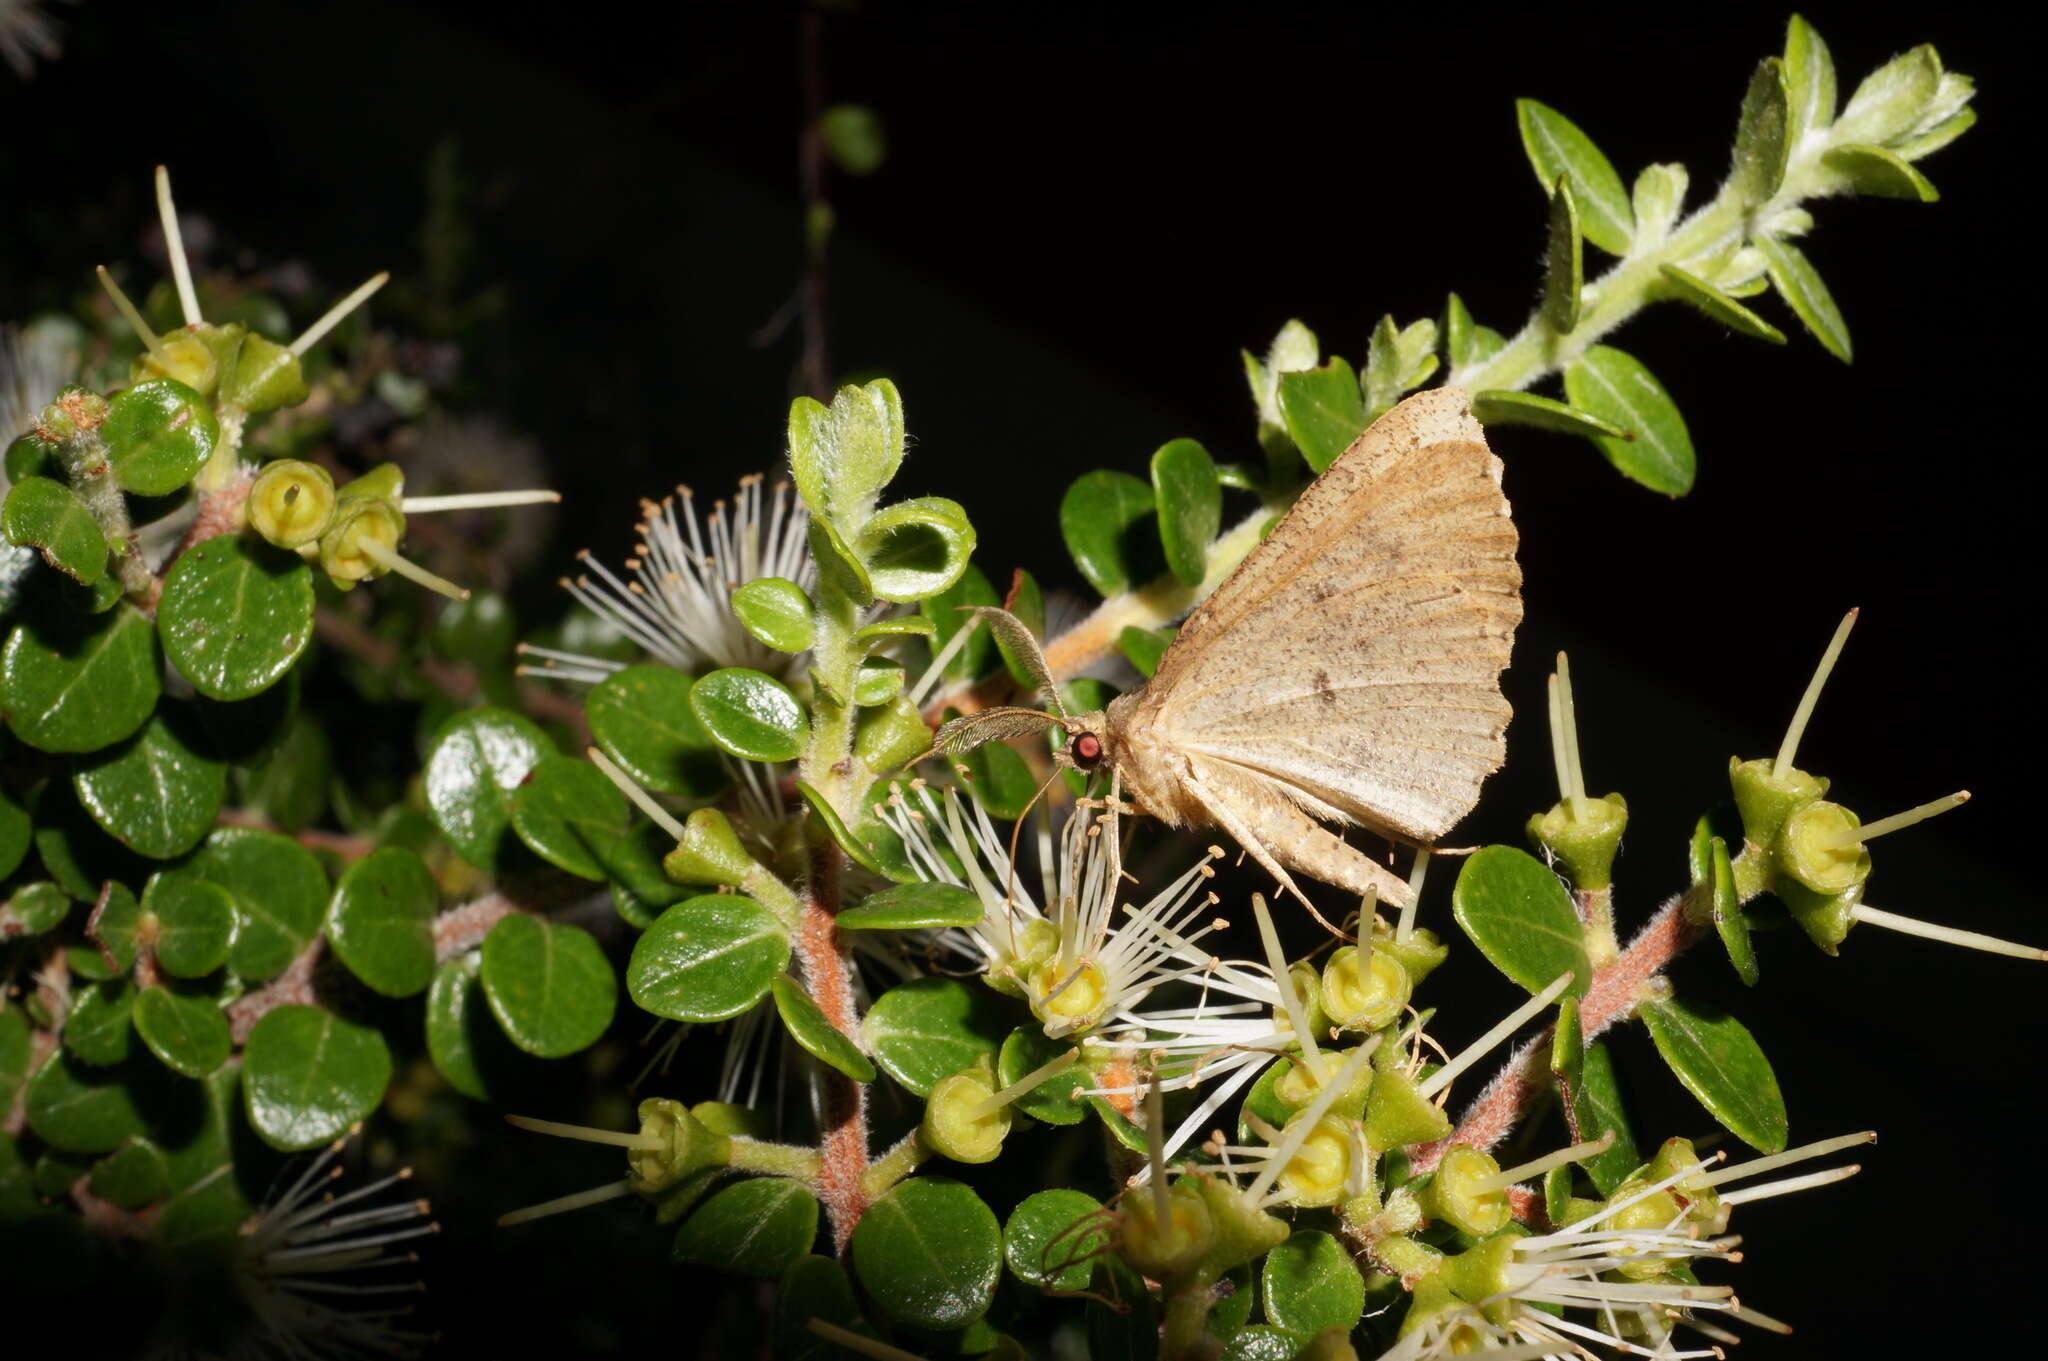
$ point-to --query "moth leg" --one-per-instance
(1296, 837)
(1220, 813)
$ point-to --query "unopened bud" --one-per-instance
(292, 502)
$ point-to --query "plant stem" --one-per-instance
(1187, 1309)
(774, 1160)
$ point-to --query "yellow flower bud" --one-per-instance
(1364, 990)
(960, 1121)
(292, 502)
(343, 555)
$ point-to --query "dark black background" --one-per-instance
(1082, 219)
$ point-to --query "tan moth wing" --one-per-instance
(1348, 670)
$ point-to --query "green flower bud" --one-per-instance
(1696, 1191)
(723, 1117)
(1825, 917)
(1583, 838)
(385, 482)
(1647, 1215)
(265, 377)
(77, 411)
(1364, 990)
(1417, 1264)
(1331, 1344)
(1765, 799)
(686, 1146)
(709, 853)
(1164, 1246)
(1320, 1172)
(958, 1122)
(1298, 1086)
(1419, 954)
(183, 355)
(358, 521)
(1036, 941)
(1397, 1115)
(1819, 848)
(1463, 1193)
(1479, 1275)
(292, 503)
(1243, 1232)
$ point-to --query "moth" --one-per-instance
(1347, 673)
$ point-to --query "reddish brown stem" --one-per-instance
(843, 1150)
(292, 987)
(343, 844)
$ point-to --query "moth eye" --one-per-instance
(1087, 751)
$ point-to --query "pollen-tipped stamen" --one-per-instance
(1536, 1167)
(1820, 1148)
(630, 787)
(1789, 748)
(1791, 1184)
(391, 561)
(1566, 716)
(1870, 831)
(563, 1204)
(617, 1138)
(1044, 1073)
(1477, 1050)
(151, 341)
(334, 315)
(476, 500)
(174, 249)
(1949, 935)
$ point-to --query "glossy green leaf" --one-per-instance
(756, 1227)
(751, 715)
(81, 1109)
(1891, 99)
(883, 632)
(235, 614)
(159, 434)
(1568, 1046)
(307, 1075)
(16, 833)
(80, 682)
(475, 762)
(549, 985)
(280, 895)
(1047, 1244)
(115, 926)
(158, 793)
(1143, 648)
(841, 456)
(1500, 406)
(840, 571)
(1729, 920)
(1615, 387)
(632, 862)
(999, 778)
(1559, 150)
(949, 612)
(569, 814)
(1101, 516)
(1800, 285)
(1564, 267)
(776, 611)
(456, 1037)
(1761, 144)
(808, 1025)
(814, 1287)
(707, 958)
(1324, 411)
(877, 681)
(835, 827)
(913, 907)
(1718, 1061)
(642, 719)
(1880, 173)
(47, 515)
(915, 549)
(1597, 1102)
(132, 1176)
(99, 1029)
(1055, 1101)
(1190, 506)
(481, 630)
(928, 1253)
(381, 922)
(187, 1031)
(1718, 306)
(1122, 1317)
(931, 1028)
(195, 923)
(1809, 81)
(1520, 916)
(1310, 1283)
(34, 909)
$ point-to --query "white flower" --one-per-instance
(674, 597)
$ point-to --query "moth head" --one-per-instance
(1087, 746)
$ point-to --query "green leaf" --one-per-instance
(80, 682)
(159, 434)
(475, 762)
(1809, 81)
(808, 1025)
(1799, 284)
(1568, 1046)
(1615, 387)
(569, 813)
(751, 715)
(290, 784)
(187, 1031)
(642, 719)
(1100, 516)
(1597, 1103)
(839, 568)
(707, 958)
(156, 793)
(853, 138)
(1310, 1283)
(1875, 171)
(1564, 267)
(1718, 1061)
(1324, 411)
(34, 909)
(999, 778)
(1045, 1243)
(1938, 136)
(1143, 648)
(99, 1027)
(1057, 1100)
(777, 612)
(948, 614)
(456, 1036)
(913, 907)
(883, 632)
(756, 1227)
(877, 681)
(843, 455)
(1728, 919)
(1190, 505)
(549, 985)
(814, 1287)
(915, 549)
(1396, 360)
(931, 1028)
(1520, 916)
(381, 923)
(1659, 196)
(1761, 142)
(81, 1109)
(279, 892)
(1559, 150)
(49, 516)
(132, 1176)
(1122, 1318)
(1891, 99)
(16, 832)
(481, 630)
(1718, 306)
(235, 614)
(835, 827)
(116, 925)
(307, 1075)
(195, 923)
(928, 1254)
(1500, 406)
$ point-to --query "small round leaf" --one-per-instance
(931, 1028)
(1190, 502)
(568, 813)
(16, 830)
(157, 793)
(750, 714)
(916, 548)
(1057, 1100)
(477, 759)
(98, 1030)
(45, 514)
(185, 1030)
(776, 611)
(132, 1176)
(81, 1109)
(913, 907)
(279, 892)
(1047, 1245)
(195, 923)
(808, 1025)
(707, 958)
(307, 1075)
(35, 908)
(1520, 916)
(235, 614)
(549, 985)
(928, 1253)
(1310, 1283)
(457, 1037)
(757, 1227)
(642, 718)
(1099, 516)
(381, 922)
(80, 682)
(159, 435)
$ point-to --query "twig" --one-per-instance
(292, 987)
(843, 1151)
(344, 844)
